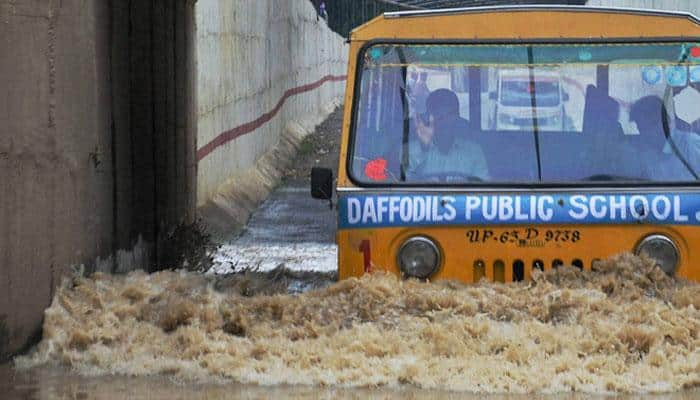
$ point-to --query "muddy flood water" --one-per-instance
(626, 328)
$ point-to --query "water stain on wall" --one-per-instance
(4, 334)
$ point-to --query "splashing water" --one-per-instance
(624, 328)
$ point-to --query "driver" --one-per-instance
(439, 150)
(677, 151)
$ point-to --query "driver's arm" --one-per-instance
(688, 145)
(475, 161)
(693, 151)
(417, 156)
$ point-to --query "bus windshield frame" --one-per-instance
(602, 80)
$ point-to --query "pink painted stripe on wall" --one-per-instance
(248, 127)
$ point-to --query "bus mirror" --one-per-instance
(565, 97)
(492, 96)
(321, 183)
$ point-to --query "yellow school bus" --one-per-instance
(489, 142)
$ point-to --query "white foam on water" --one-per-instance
(318, 257)
(627, 328)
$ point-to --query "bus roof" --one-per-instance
(551, 22)
(463, 10)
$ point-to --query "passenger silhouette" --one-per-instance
(603, 155)
(674, 154)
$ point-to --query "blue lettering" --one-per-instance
(410, 209)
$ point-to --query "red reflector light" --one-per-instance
(695, 52)
(376, 169)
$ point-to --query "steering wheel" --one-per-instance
(447, 177)
(610, 177)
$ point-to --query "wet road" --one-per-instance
(290, 230)
(290, 215)
(49, 383)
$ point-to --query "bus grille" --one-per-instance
(519, 269)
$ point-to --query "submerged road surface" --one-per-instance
(290, 230)
(53, 383)
(291, 233)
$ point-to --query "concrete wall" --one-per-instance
(692, 6)
(252, 56)
(96, 143)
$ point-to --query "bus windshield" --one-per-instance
(527, 114)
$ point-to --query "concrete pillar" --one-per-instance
(96, 143)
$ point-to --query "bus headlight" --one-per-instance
(661, 249)
(418, 257)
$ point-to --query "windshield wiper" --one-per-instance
(533, 104)
(612, 178)
(667, 132)
(404, 106)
